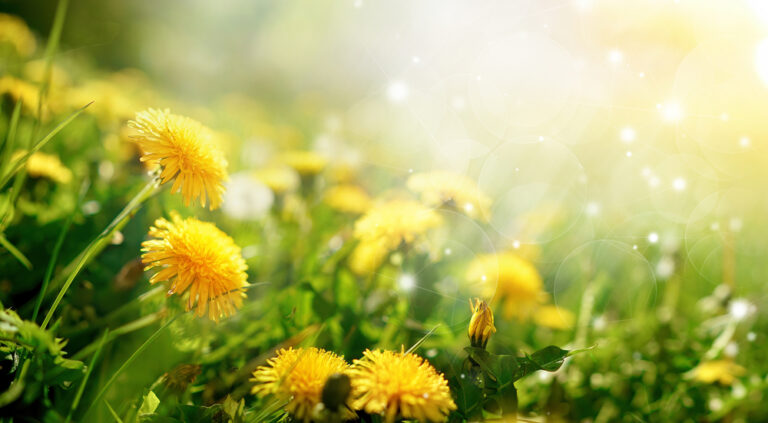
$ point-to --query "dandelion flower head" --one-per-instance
(186, 152)
(42, 165)
(14, 31)
(398, 384)
(196, 255)
(509, 278)
(348, 199)
(297, 376)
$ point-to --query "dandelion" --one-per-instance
(367, 257)
(384, 228)
(554, 317)
(20, 90)
(399, 384)
(15, 32)
(42, 165)
(511, 279)
(305, 162)
(439, 188)
(348, 199)
(185, 150)
(280, 179)
(481, 324)
(197, 255)
(722, 371)
(298, 376)
(396, 222)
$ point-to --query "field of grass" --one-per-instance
(503, 241)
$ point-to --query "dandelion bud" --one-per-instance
(481, 325)
(336, 391)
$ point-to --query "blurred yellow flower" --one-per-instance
(297, 376)
(197, 255)
(481, 324)
(304, 162)
(510, 279)
(400, 385)
(348, 199)
(42, 165)
(722, 371)
(34, 70)
(396, 222)
(14, 31)
(440, 188)
(20, 90)
(554, 317)
(280, 179)
(384, 228)
(186, 151)
(367, 256)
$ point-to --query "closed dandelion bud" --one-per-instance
(336, 391)
(178, 379)
(481, 325)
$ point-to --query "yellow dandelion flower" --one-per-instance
(348, 199)
(481, 324)
(440, 188)
(384, 228)
(399, 384)
(14, 31)
(367, 257)
(304, 162)
(197, 255)
(185, 150)
(42, 165)
(722, 371)
(396, 222)
(20, 90)
(508, 278)
(280, 179)
(554, 317)
(298, 376)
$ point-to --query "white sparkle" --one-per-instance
(592, 209)
(745, 142)
(541, 138)
(654, 182)
(679, 184)
(448, 251)
(672, 112)
(406, 281)
(629, 154)
(615, 56)
(641, 74)
(484, 278)
(634, 247)
(416, 59)
(397, 91)
(653, 237)
(740, 308)
(516, 244)
(724, 117)
(469, 207)
(627, 134)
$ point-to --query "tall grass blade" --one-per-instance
(81, 388)
(57, 249)
(15, 252)
(21, 162)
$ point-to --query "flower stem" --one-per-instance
(95, 246)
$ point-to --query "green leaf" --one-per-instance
(15, 252)
(149, 404)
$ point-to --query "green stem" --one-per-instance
(81, 388)
(93, 247)
(127, 362)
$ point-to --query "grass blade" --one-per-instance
(81, 388)
(112, 411)
(20, 163)
(57, 249)
(94, 247)
(127, 362)
(15, 252)
(50, 51)
(10, 139)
